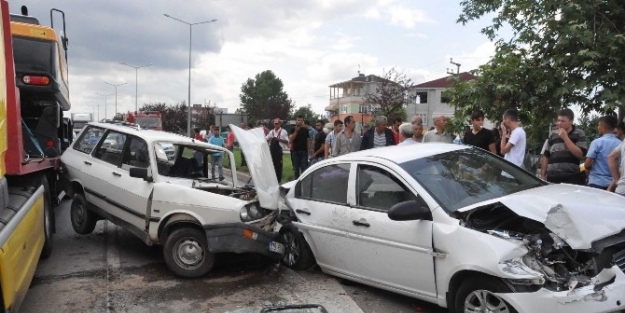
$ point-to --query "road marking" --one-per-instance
(112, 259)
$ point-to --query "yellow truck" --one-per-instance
(33, 99)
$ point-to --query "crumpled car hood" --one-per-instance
(258, 158)
(579, 215)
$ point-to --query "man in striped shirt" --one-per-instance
(378, 136)
(331, 138)
(564, 151)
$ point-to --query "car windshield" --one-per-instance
(186, 161)
(149, 122)
(464, 177)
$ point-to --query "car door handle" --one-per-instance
(87, 162)
(361, 222)
(117, 174)
(302, 212)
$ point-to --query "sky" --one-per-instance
(308, 44)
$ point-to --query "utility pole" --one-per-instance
(115, 85)
(105, 96)
(451, 71)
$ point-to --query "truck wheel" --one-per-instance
(477, 294)
(298, 254)
(186, 253)
(48, 220)
(83, 220)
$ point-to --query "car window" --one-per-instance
(111, 147)
(463, 177)
(137, 154)
(88, 139)
(378, 189)
(328, 183)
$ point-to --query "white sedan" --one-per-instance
(459, 227)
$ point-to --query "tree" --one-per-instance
(392, 93)
(263, 98)
(308, 114)
(174, 117)
(569, 51)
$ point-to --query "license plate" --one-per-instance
(276, 247)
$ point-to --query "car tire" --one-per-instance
(297, 254)
(477, 294)
(186, 253)
(83, 220)
(48, 220)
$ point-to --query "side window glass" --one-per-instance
(327, 184)
(378, 189)
(111, 147)
(137, 154)
(89, 139)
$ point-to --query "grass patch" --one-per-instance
(287, 165)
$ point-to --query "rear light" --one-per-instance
(50, 143)
(36, 80)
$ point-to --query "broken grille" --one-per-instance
(619, 260)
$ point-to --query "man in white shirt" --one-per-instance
(331, 138)
(278, 140)
(616, 162)
(405, 134)
(513, 138)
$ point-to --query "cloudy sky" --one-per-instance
(309, 44)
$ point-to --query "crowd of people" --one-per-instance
(561, 157)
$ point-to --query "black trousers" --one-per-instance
(276, 159)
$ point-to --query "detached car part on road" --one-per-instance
(156, 185)
(458, 227)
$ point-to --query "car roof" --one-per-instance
(147, 134)
(403, 153)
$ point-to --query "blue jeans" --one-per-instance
(218, 161)
(300, 162)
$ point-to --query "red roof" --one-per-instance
(446, 81)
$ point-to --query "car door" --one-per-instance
(102, 174)
(398, 254)
(132, 193)
(320, 203)
(77, 160)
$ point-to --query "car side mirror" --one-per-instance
(143, 173)
(409, 211)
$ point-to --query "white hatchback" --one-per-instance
(459, 227)
(157, 185)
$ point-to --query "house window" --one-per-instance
(344, 109)
(422, 97)
(444, 99)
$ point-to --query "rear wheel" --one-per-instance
(83, 220)
(48, 220)
(477, 294)
(297, 254)
(186, 253)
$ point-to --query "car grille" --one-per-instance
(619, 260)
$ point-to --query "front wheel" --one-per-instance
(298, 254)
(477, 294)
(186, 253)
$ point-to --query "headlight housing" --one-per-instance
(252, 212)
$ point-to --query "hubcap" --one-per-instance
(188, 254)
(79, 214)
(483, 301)
(292, 255)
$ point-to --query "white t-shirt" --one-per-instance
(280, 134)
(517, 153)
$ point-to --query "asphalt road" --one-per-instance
(112, 271)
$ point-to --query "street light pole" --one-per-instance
(105, 96)
(136, 81)
(115, 85)
(190, 45)
(98, 104)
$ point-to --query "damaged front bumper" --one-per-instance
(244, 238)
(607, 294)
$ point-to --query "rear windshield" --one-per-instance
(33, 55)
(149, 122)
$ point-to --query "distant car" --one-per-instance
(151, 183)
(459, 227)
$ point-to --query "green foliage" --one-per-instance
(589, 125)
(262, 98)
(392, 94)
(308, 114)
(174, 116)
(561, 53)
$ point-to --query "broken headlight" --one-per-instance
(252, 212)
